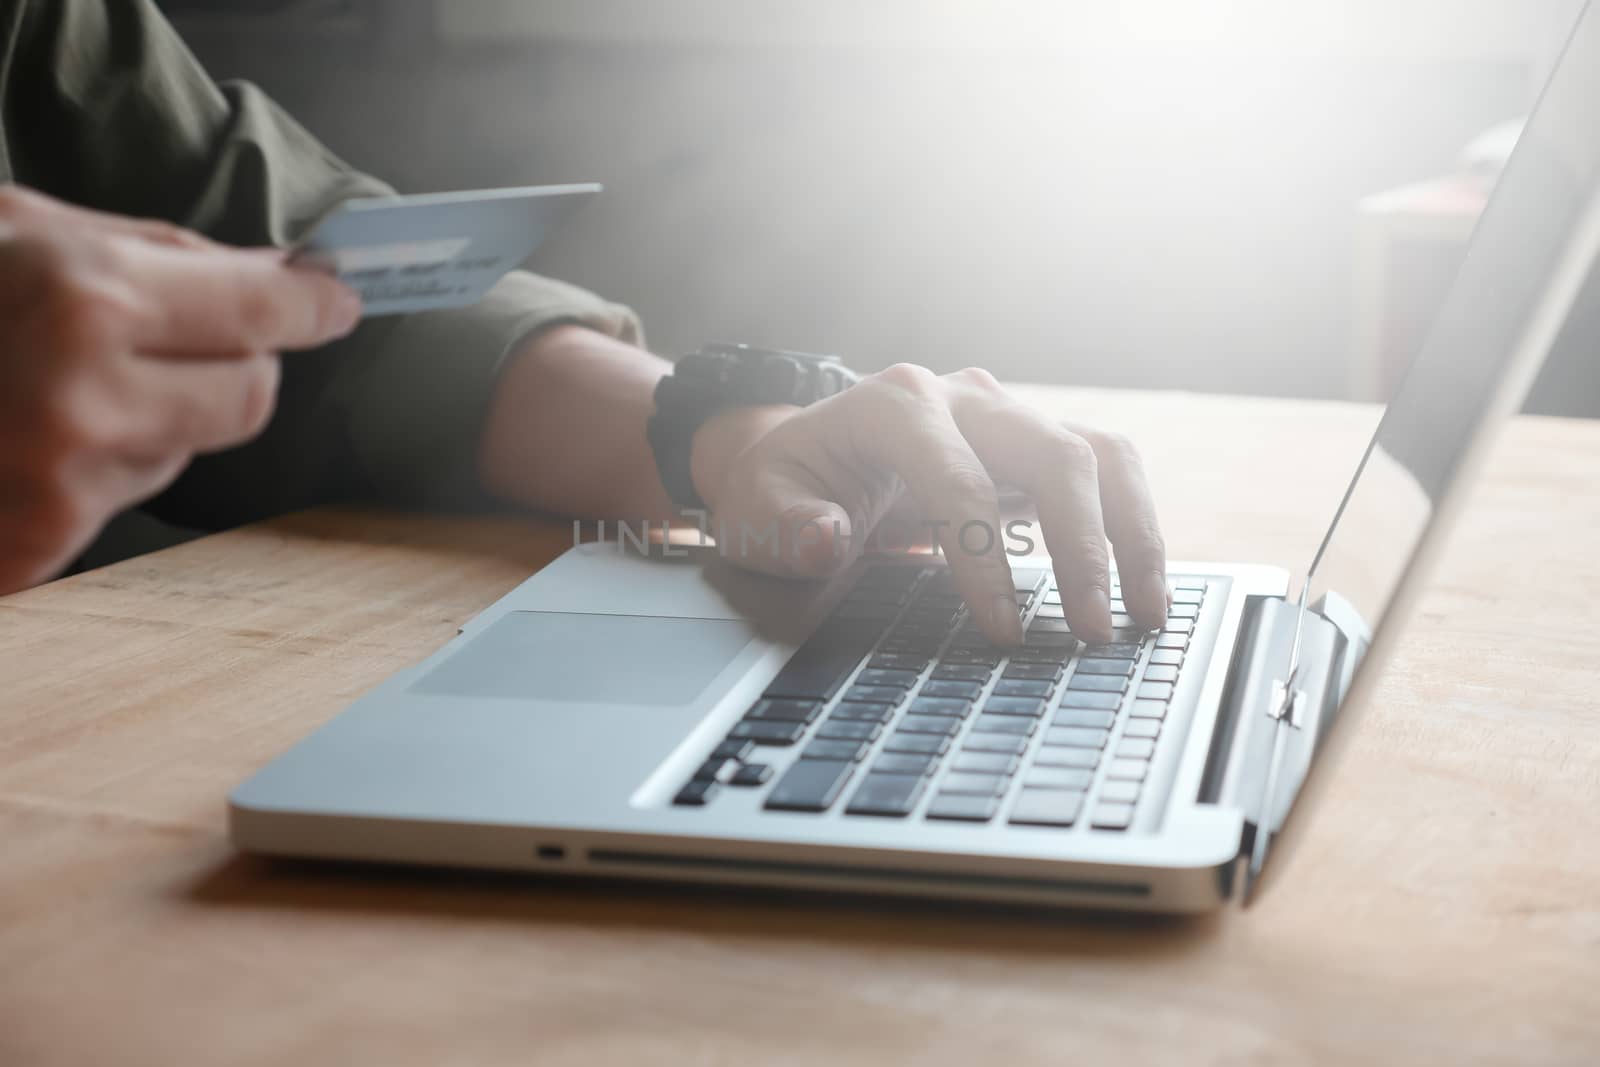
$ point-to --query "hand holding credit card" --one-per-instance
(435, 250)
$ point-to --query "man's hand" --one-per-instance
(127, 347)
(816, 473)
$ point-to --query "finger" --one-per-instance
(899, 420)
(228, 299)
(1130, 518)
(194, 406)
(1060, 472)
(780, 522)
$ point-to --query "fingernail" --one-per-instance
(1155, 592)
(1005, 620)
(1163, 594)
(346, 310)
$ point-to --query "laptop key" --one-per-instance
(862, 713)
(768, 733)
(1187, 596)
(1142, 728)
(949, 687)
(921, 744)
(845, 730)
(785, 710)
(963, 807)
(1083, 699)
(1113, 650)
(1074, 778)
(1097, 720)
(904, 763)
(970, 672)
(1076, 737)
(981, 784)
(890, 661)
(1178, 626)
(1158, 672)
(716, 770)
(1008, 743)
(752, 774)
(819, 667)
(830, 748)
(1047, 807)
(1120, 792)
(946, 725)
(696, 793)
(1048, 625)
(733, 749)
(875, 694)
(1135, 748)
(1105, 666)
(1154, 691)
(1088, 758)
(1177, 641)
(924, 705)
(1048, 672)
(985, 762)
(1166, 657)
(1023, 687)
(1148, 709)
(1031, 706)
(875, 676)
(1132, 770)
(1015, 725)
(1052, 655)
(810, 785)
(891, 795)
(1112, 816)
(1183, 611)
(1099, 683)
(974, 656)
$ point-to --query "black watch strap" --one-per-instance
(723, 376)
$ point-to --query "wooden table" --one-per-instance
(1447, 910)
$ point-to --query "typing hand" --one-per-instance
(825, 475)
(126, 347)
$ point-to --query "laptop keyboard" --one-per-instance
(938, 723)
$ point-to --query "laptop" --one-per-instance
(650, 711)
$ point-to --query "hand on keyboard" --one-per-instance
(824, 476)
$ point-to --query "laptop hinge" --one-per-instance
(1272, 720)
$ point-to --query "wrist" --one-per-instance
(723, 438)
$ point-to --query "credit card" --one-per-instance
(435, 250)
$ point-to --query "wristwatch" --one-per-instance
(722, 376)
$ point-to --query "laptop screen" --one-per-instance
(1528, 257)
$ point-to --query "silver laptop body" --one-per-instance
(600, 719)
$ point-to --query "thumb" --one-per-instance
(790, 532)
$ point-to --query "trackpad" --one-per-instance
(592, 659)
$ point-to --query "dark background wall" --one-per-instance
(1170, 218)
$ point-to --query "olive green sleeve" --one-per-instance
(102, 104)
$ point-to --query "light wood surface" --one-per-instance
(1446, 911)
